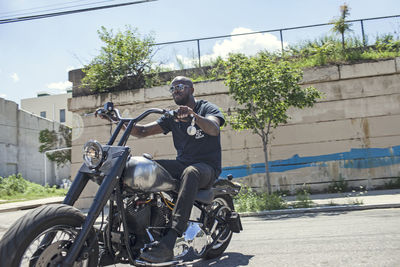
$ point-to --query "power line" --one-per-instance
(18, 12)
(49, 15)
(59, 8)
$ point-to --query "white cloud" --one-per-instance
(247, 44)
(3, 95)
(61, 86)
(15, 77)
(69, 68)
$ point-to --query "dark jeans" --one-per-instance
(192, 178)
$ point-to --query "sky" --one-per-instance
(36, 56)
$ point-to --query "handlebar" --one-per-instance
(114, 115)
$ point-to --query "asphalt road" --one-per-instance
(356, 238)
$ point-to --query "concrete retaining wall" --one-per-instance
(19, 145)
(353, 133)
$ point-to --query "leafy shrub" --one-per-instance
(15, 186)
(248, 200)
(125, 55)
(338, 186)
(393, 184)
(12, 184)
(303, 199)
(328, 50)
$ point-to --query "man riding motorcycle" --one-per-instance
(196, 136)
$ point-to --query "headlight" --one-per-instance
(93, 154)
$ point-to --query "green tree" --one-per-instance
(52, 140)
(265, 87)
(339, 25)
(125, 54)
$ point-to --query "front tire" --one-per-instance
(23, 245)
(223, 205)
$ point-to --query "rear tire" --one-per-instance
(60, 220)
(225, 204)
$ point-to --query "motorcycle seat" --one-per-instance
(205, 196)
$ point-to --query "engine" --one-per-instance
(147, 216)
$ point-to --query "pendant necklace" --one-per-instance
(191, 130)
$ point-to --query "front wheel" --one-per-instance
(222, 206)
(43, 237)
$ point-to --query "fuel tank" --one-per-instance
(147, 175)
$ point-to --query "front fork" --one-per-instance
(77, 186)
(103, 194)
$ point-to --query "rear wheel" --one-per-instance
(43, 238)
(222, 206)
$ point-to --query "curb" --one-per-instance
(245, 214)
(27, 206)
(319, 209)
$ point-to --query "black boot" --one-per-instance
(161, 251)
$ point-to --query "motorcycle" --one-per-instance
(140, 194)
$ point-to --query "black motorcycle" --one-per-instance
(140, 195)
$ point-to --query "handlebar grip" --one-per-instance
(171, 113)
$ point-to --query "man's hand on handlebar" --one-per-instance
(184, 113)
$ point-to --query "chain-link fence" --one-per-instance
(201, 51)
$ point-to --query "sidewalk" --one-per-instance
(377, 199)
(29, 204)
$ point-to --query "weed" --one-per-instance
(248, 200)
(393, 183)
(303, 199)
(15, 187)
(338, 186)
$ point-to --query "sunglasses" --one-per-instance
(178, 87)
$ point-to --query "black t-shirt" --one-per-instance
(200, 147)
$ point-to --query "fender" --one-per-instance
(225, 186)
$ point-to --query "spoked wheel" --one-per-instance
(222, 207)
(39, 253)
(43, 238)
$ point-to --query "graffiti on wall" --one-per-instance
(358, 158)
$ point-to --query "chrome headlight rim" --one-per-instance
(93, 154)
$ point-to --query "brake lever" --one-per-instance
(97, 112)
(172, 114)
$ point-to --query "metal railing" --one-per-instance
(45, 159)
(280, 31)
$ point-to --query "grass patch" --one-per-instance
(15, 188)
(303, 199)
(248, 200)
(323, 51)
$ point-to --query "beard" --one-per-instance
(182, 101)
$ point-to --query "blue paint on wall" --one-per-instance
(359, 158)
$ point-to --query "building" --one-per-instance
(52, 107)
(19, 146)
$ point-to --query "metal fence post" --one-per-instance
(198, 52)
(280, 32)
(362, 32)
